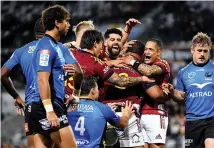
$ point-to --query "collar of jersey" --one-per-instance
(86, 99)
(200, 65)
(47, 35)
(86, 52)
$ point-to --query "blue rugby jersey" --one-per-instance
(23, 56)
(198, 84)
(88, 120)
(50, 56)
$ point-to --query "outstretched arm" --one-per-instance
(128, 81)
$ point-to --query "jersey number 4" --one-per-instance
(80, 125)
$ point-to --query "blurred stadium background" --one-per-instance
(175, 23)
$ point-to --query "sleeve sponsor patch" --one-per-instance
(44, 57)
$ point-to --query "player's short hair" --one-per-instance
(138, 48)
(82, 25)
(53, 13)
(113, 31)
(89, 37)
(39, 29)
(88, 83)
(201, 38)
(158, 42)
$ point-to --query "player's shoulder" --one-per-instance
(29, 47)
(186, 68)
(46, 43)
(100, 105)
(162, 61)
(211, 62)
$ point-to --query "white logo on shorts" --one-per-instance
(45, 124)
(188, 142)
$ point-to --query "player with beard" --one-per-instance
(118, 95)
(153, 66)
(91, 44)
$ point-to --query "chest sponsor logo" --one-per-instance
(191, 75)
(201, 85)
(44, 57)
(208, 74)
(200, 94)
(82, 142)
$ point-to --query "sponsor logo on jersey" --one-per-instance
(44, 57)
(208, 74)
(202, 85)
(191, 75)
(200, 94)
(82, 142)
(72, 108)
(106, 69)
(85, 108)
(31, 49)
(200, 69)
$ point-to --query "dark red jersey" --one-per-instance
(114, 93)
(91, 66)
(150, 106)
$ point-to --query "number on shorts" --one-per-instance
(80, 125)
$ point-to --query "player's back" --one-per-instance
(198, 84)
(23, 56)
(88, 119)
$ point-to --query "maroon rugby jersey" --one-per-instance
(117, 94)
(91, 66)
(150, 106)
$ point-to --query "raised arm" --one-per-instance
(127, 30)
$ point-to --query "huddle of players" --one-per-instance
(104, 62)
(121, 76)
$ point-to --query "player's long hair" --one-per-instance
(201, 39)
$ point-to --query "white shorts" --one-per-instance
(154, 128)
(132, 135)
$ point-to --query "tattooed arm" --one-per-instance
(149, 70)
(127, 81)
